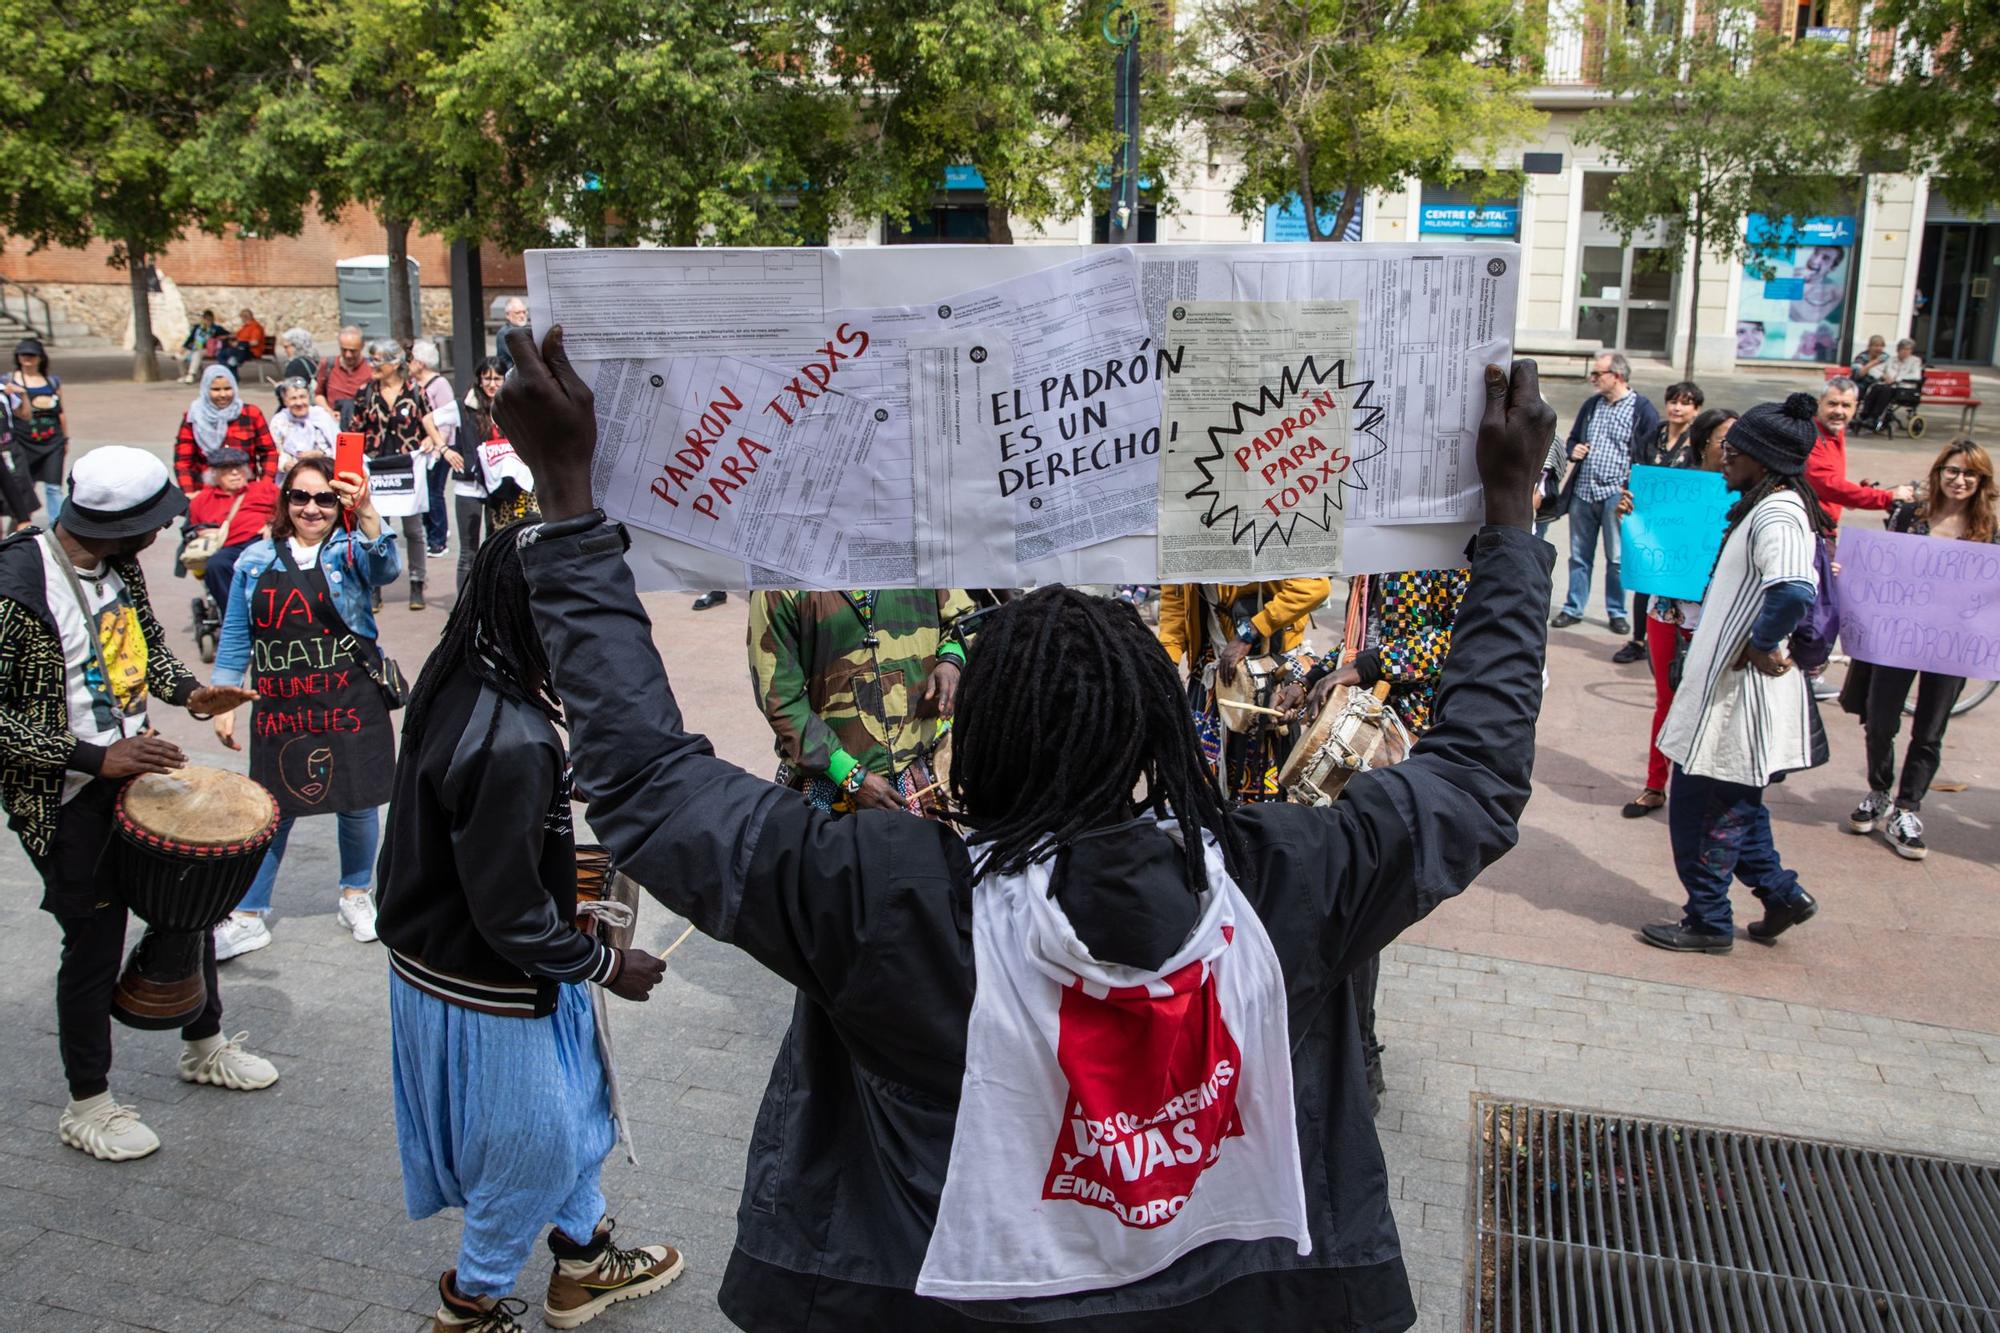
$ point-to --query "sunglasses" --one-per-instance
(324, 499)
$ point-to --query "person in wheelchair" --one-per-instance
(223, 518)
(1899, 387)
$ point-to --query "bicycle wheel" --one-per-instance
(1975, 693)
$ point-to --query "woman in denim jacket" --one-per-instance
(300, 631)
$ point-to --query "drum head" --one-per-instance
(199, 809)
(1315, 736)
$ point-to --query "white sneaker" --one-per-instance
(225, 1064)
(107, 1131)
(1905, 833)
(240, 933)
(357, 913)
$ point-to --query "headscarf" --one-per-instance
(211, 423)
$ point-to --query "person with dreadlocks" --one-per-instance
(1095, 1069)
(502, 1103)
(1743, 716)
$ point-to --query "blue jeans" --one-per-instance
(360, 832)
(437, 519)
(52, 498)
(1586, 521)
(1722, 831)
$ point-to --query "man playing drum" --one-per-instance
(80, 655)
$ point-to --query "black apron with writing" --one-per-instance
(320, 736)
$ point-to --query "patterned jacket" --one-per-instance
(1409, 616)
(834, 701)
(36, 745)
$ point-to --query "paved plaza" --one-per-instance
(1875, 1024)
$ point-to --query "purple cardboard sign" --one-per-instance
(1930, 603)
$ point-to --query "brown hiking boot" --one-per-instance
(581, 1288)
(461, 1314)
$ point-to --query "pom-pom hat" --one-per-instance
(1781, 436)
(118, 491)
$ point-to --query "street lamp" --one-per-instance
(1121, 29)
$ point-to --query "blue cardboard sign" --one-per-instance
(1674, 532)
(1469, 220)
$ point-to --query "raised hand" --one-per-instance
(549, 417)
(1513, 443)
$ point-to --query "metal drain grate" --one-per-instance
(1596, 1222)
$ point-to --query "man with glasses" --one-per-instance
(1600, 447)
(342, 378)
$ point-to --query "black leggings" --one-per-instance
(1888, 687)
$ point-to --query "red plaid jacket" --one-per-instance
(249, 432)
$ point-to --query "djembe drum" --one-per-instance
(607, 902)
(191, 842)
(1353, 733)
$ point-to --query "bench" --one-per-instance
(1552, 350)
(1952, 388)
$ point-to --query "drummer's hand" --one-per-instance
(638, 973)
(1289, 699)
(1232, 657)
(217, 700)
(546, 410)
(225, 730)
(141, 754)
(1513, 441)
(941, 690)
(875, 793)
(1323, 691)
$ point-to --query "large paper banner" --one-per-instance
(1668, 543)
(1007, 416)
(1928, 603)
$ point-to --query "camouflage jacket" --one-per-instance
(832, 700)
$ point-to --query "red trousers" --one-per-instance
(1662, 642)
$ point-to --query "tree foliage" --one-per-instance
(1939, 103)
(1325, 98)
(1714, 121)
(100, 101)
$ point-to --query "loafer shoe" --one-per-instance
(1679, 939)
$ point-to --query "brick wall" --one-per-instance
(287, 280)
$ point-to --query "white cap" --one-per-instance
(116, 477)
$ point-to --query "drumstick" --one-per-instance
(677, 943)
(1252, 708)
(923, 792)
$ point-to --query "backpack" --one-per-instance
(1812, 641)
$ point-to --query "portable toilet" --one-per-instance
(363, 284)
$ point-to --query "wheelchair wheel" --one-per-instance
(1916, 425)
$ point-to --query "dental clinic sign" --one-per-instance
(1470, 220)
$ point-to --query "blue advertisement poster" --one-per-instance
(1497, 221)
(1796, 313)
(1287, 221)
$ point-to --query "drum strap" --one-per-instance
(55, 552)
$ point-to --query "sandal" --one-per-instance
(1651, 799)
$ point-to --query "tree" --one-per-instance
(96, 111)
(1939, 102)
(1714, 121)
(1338, 97)
(1019, 88)
(634, 121)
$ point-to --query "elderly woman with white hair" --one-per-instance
(397, 424)
(436, 390)
(298, 356)
(300, 425)
(1901, 376)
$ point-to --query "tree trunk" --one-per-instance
(1694, 296)
(145, 364)
(1307, 199)
(1350, 199)
(1000, 224)
(401, 327)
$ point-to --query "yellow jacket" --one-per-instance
(1285, 604)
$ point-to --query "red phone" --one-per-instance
(347, 451)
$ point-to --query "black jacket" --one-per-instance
(36, 745)
(477, 882)
(870, 918)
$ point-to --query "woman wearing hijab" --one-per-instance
(41, 427)
(218, 416)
